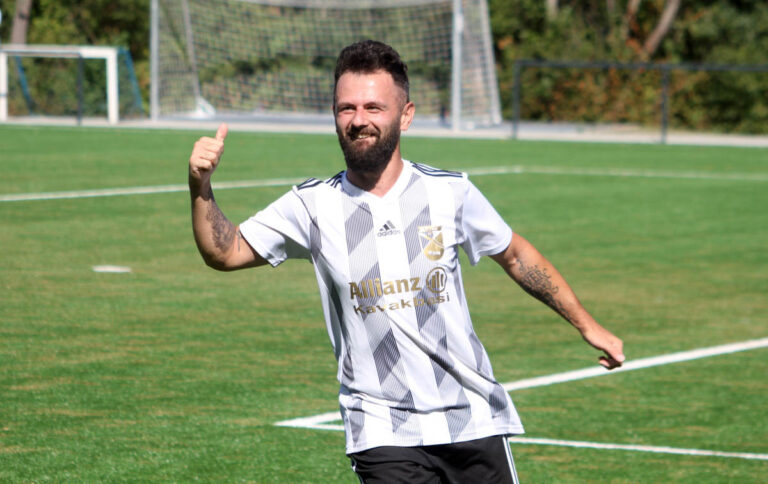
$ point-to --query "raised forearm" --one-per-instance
(215, 235)
(220, 243)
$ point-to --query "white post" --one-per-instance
(3, 82)
(458, 30)
(113, 107)
(154, 87)
(3, 87)
(493, 83)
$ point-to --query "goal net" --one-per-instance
(256, 58)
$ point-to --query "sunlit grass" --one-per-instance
(177, 373)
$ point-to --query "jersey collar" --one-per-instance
(393, 193)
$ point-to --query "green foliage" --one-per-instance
(123, 23)
(704, 31)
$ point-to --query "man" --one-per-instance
(417, 395)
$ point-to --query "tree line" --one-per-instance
(725, 32)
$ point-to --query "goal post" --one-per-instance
(275, 58)
(113, 72)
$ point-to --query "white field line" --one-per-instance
(315, 423)
(148, 190)
(276, 182)
(549, 170)
(324, 421)
(638, 448)
(636, 364)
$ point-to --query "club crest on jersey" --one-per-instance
(431, 240)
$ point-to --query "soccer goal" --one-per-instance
(67, 81)
(275, 58)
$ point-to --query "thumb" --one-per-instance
(221, 133)
(612, 360)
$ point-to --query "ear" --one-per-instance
(406, 117)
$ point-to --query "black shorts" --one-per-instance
(487, 460)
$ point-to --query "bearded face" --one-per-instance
(370, 112)
(368, 149)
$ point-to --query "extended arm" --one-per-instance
(539, 278)
(220, 243)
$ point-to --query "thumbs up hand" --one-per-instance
(206, 155)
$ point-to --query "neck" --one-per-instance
(378, 183)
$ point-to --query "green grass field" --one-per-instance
(177, 373)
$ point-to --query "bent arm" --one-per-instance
(220, 243)
(539, 278)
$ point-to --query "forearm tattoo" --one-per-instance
(538, 284)
(223, 230)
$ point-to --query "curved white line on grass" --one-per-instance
(276, 182)
(325, 421)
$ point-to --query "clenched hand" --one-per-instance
(206, 155)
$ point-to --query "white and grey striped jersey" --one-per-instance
(411, 368)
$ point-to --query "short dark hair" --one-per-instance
(369, 56)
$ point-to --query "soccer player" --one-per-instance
(417, 394)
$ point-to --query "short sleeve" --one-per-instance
(485, 232)
(280, 231)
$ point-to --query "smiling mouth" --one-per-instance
(361, 135)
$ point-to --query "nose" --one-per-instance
(359, 120)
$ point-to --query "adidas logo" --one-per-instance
(388, 229)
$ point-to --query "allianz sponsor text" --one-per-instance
(376, 288)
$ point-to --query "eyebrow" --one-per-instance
(367, 105)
